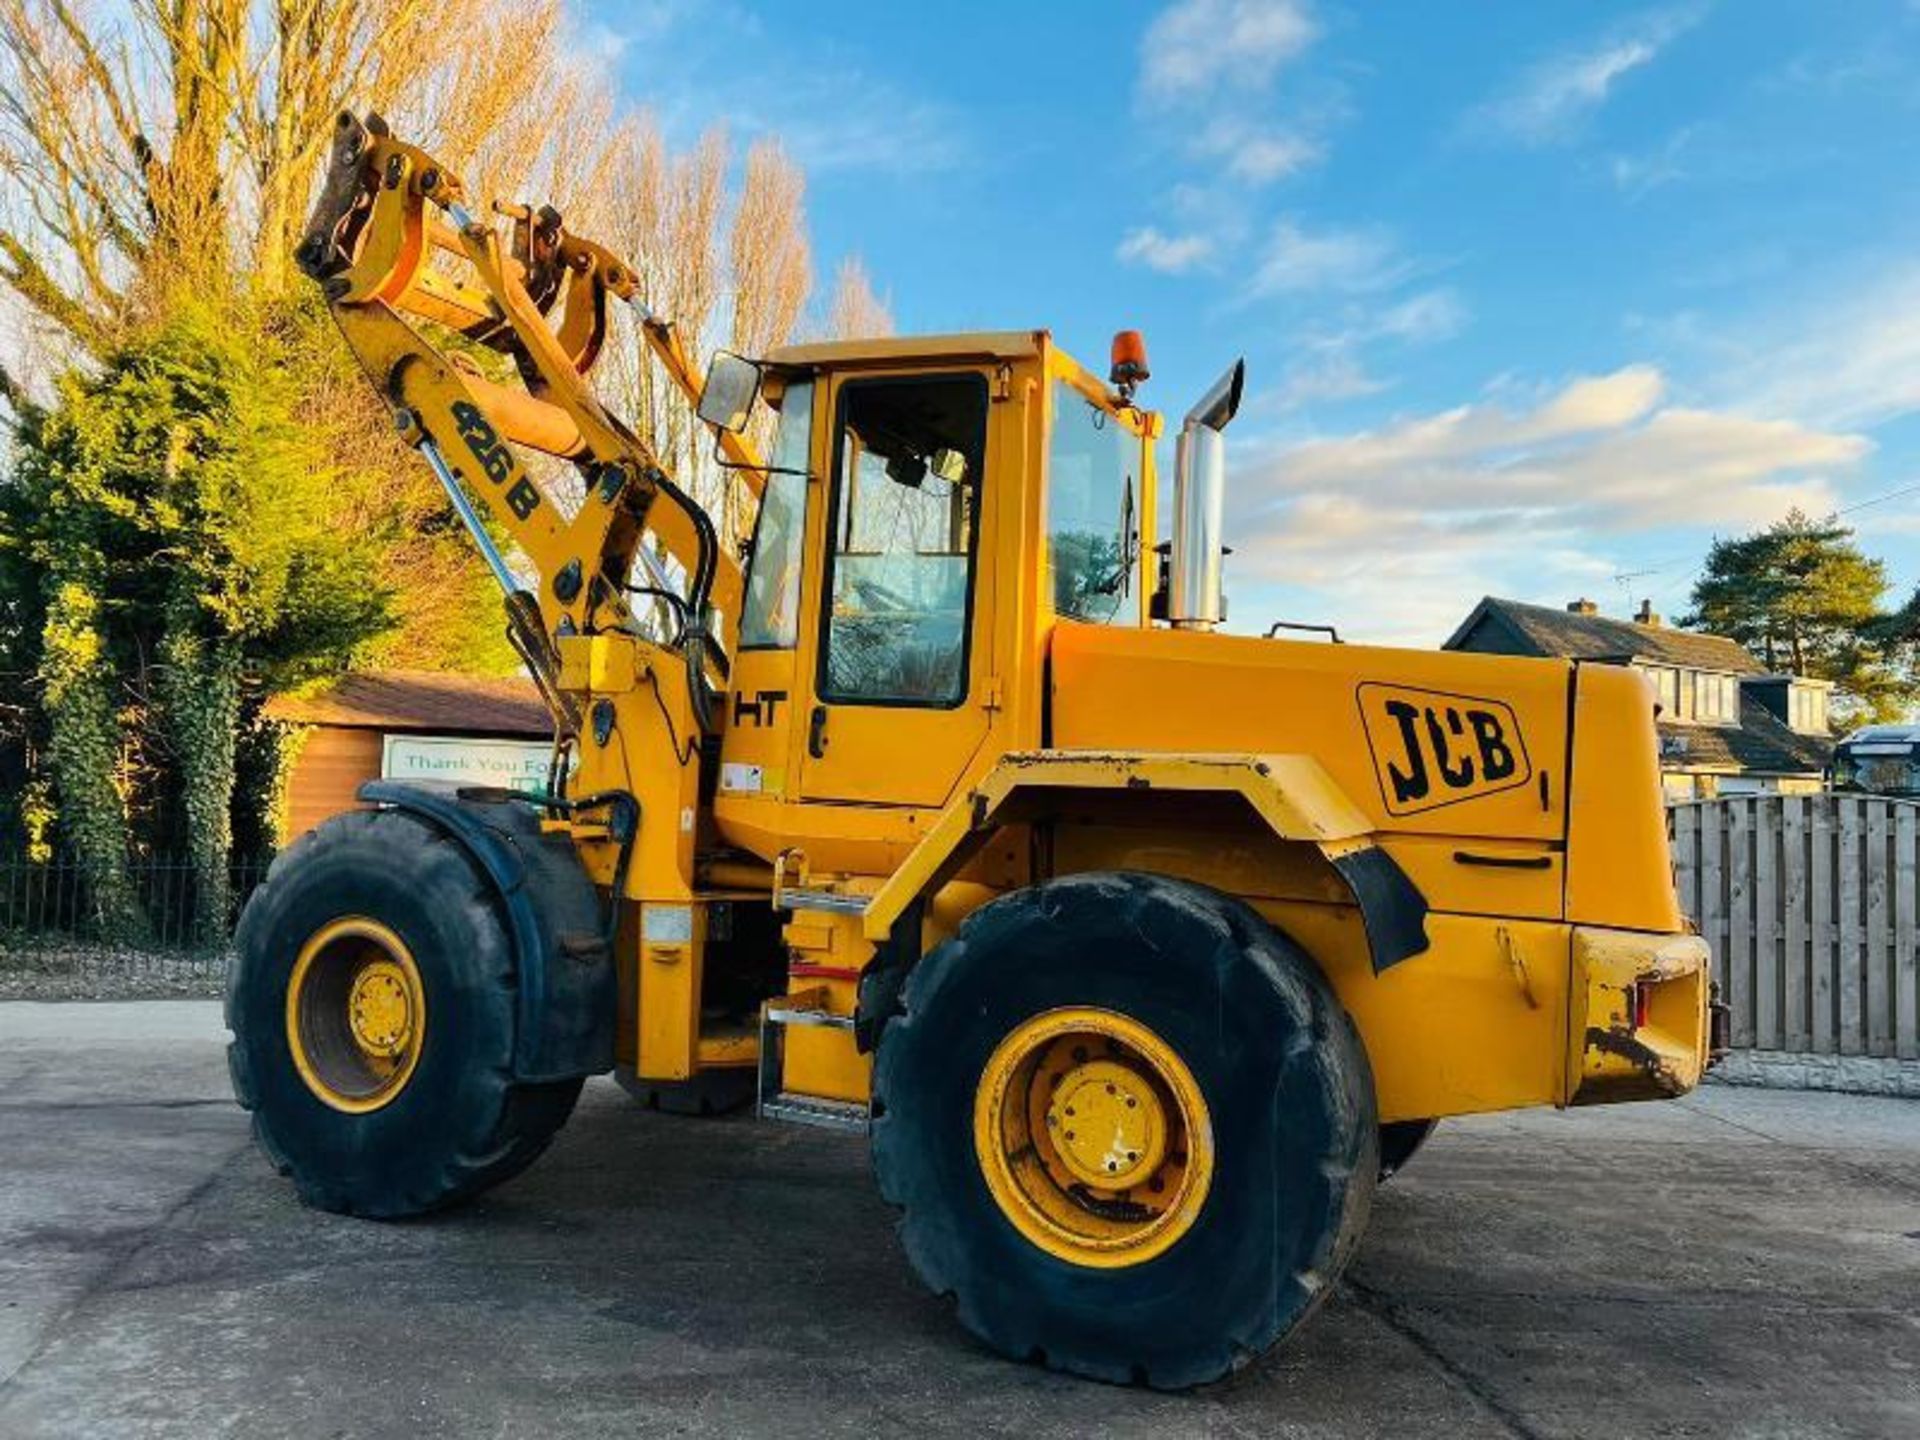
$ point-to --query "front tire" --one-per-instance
(1212, 1056)
(372, 1005)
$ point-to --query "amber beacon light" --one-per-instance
(1129, 362)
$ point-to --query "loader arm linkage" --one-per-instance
(387, 209)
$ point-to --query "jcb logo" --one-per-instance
(1431, 749)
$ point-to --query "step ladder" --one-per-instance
(775, 1103)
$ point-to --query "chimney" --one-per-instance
(1582, 606)
(1645, 615)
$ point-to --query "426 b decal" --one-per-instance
(1431, 748)
(494, 458)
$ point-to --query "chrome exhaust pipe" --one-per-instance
(1194, 599)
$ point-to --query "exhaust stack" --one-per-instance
(1199, 496)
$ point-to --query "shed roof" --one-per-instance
(421, 700)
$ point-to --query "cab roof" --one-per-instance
(980, 345)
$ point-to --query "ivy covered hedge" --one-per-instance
(168, 559)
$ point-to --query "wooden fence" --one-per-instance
(1812, 906)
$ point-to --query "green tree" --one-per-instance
(1805, 599)
(173, 516)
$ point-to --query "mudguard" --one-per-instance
(566, 993)
(1291, 794)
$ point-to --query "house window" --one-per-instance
(1808, 706)
(1666, 690)
(1695, 697)
(1718, 699)
(1713, 699)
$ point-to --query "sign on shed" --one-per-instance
(513, 764)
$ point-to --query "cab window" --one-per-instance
(906, 499)
(770, 617)
(1092, 541)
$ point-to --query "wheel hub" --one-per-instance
(1107, 1125)
(378, 1011)
(1093, 1137)
(356, 1014)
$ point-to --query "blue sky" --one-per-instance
(1533, 297)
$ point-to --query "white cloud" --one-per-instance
(1297, 260)
(1602, 447)
(1169, 254)
(1194, 46)
(1328, 366)
(1401, 528)
(1635, 175)
(1848, 354)
(1552, 97)
(830, 113)
(1256, 155)
(1325, 377)
(1422, 319)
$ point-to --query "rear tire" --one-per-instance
(451, 1120)
(1286, 1098)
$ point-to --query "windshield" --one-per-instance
(1092, 462)
(770, 619)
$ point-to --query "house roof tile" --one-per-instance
(1760, 744)
(1570, 635)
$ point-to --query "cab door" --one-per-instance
(902, 666)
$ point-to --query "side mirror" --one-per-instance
(732, 385)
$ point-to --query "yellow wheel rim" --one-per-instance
(356, 1014)
(1093, 1137)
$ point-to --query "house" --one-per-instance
(404, 724)
(1726, 725)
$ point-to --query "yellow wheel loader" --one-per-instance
(943, 812)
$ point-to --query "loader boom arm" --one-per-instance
(386, 211)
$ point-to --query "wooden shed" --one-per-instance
(407, 724)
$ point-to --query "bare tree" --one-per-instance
(158, 147)
(174, 143)
(769, 261)
(855, 312)
(771, 274)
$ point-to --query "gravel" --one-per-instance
(57, 968)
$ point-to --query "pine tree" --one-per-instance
(1805, 600)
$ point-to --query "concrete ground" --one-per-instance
(1741, 1263)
